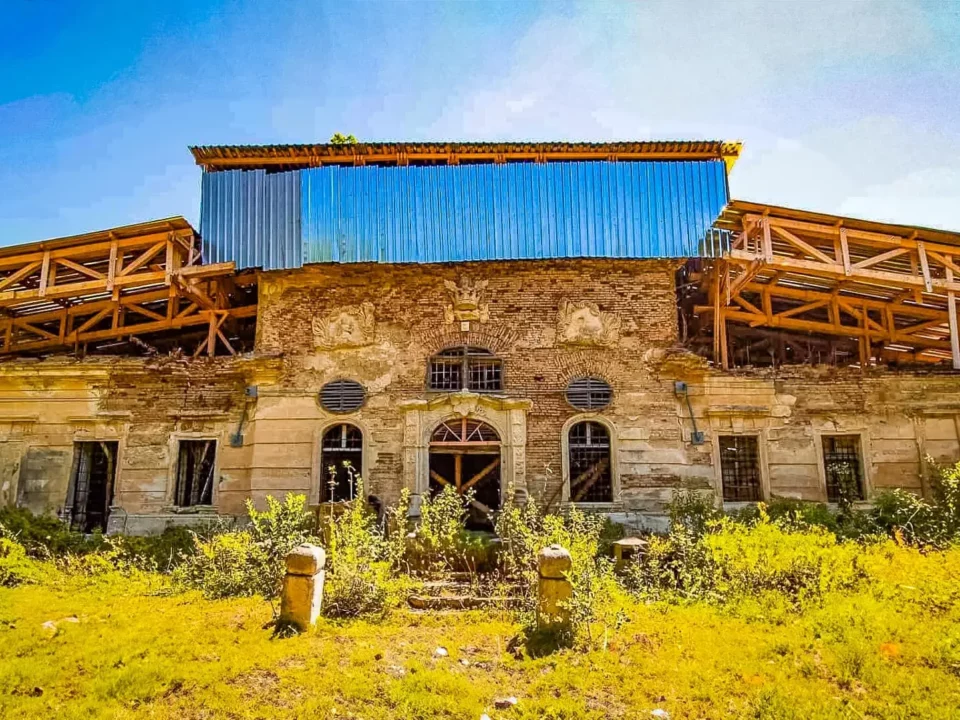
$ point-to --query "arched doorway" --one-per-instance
(465, 455)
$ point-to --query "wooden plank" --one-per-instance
(924, 267)
(882, 257)
(82, 269)
(801, 244)
(767, 241)
(845, 251)
(144, 258)
(44, 274)
(952, 315)
(482, 474)
(112, 264)
(819, 269)
(23, 272)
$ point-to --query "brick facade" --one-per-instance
(379, 325)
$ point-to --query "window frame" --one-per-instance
(177, 473)
(465, 356)
(318, 471)
(763, 470)
(866, 480)
(173, 470)
(616, 501)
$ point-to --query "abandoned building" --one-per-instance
(589, 324)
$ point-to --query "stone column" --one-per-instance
(303, 586)
(554, 588)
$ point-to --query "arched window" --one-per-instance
(591, 477)
(341, 462)
(465, 368)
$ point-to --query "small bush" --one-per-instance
(440, 543)
(359, 562)
(45, 536)
(16, 568)
(694, 510)
(250, 561)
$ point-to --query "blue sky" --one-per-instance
(846, 107)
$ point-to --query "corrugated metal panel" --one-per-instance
(505, 212)
(468, 212)
(252, 218)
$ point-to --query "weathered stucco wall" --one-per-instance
(380, 324)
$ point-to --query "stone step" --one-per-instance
(459, 602)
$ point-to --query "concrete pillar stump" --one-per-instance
(302, 593)
(554, 588)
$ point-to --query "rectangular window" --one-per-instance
(91, 485)
(842, 467)
(465, 368)
(740, 468)
(195, 470)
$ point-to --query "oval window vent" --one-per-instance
(342, 396)
(589, 393)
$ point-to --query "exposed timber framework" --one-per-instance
(118, 286)
(805, 287)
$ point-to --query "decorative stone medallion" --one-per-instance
(584, 323)
(465, 301)
(350, 326)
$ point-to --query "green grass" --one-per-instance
(889, 650)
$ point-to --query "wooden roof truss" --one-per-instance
(894, 294)
(66, 295)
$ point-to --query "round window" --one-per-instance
(589, 393)
(342, 396)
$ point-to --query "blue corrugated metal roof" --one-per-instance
(469, 212)
(252, 218)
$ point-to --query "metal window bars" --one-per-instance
(842, 467)
(341, 462)
(465, 368)
(740, 468)
(591, 477)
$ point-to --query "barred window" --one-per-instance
(341, 462)
(740, 468)
(591, 478)
(841, 464)
(465, 368)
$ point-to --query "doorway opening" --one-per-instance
(91, 487)
(465, 455)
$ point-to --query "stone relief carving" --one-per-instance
(466, 304)
(351, 326)
(584, 323)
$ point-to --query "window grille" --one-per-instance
(740, 468)
(465, 368)
(195, 473)
(341, 462)
(589, 393)
(841, 460)
(591, 478)
(342, 396)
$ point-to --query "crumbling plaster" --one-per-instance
(383, 323)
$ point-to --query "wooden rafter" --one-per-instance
(68, 292)
(893, 292)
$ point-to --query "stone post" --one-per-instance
(555, 588)
(303, 586)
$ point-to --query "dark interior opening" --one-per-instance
(91, 487)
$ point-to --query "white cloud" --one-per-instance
(787, 78)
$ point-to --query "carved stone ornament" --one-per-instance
(466, 305)
(584, 323)
(351, 326)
